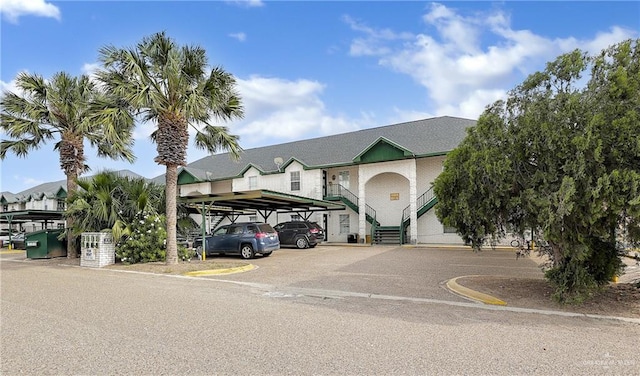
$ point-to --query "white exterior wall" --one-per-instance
(34, 204)
(405, 168)
(310, 181)
(333, 219)
(205, 188)
(427, 170)
(334, 173)
(15, 206)
(375, 182)
(429, 228)
(44, 204)
(379, 190)
(333, 225)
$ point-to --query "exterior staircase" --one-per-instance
(387, 235)
(425, 202)
(337, 192)
(382, 234)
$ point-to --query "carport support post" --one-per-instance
(9, 218)
(204, 231)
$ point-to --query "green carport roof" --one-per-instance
(30, 216)
(262, 200)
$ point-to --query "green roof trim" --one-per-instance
(185, 177)
(290, 161)
(383, 150)
(62, 193)
(248, 167)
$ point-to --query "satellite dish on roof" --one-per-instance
(278, 161)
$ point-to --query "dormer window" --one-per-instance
(295, 180)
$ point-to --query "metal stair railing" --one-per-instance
(337, 190)
(422, 201)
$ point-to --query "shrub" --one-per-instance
(146, 243)
(185, 254)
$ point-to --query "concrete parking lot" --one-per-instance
(329, 310)
(417, 272)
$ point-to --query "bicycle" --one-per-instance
(522, 250)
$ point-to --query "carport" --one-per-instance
(24, 216)
(263, 202)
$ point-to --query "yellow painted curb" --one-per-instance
(239, 269)
(10, 251)
(472, 294)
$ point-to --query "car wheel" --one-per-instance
(267, 254)
(247, 251)
(302, 243)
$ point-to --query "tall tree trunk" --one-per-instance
(171, 185)
(72, 186)
(72, 163)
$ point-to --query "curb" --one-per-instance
(239, 269)
(453, 285)
(12, 251)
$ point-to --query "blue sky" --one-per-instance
(314, 68)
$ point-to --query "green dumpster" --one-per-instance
(45, 244)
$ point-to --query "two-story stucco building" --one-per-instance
(382, 176)
(378, 179)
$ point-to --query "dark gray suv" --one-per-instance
(244, 239)
(301, 234)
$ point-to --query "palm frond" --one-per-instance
(20, 148)
(33, 84)
(213, 138)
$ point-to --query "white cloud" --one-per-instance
(606, 39)
(283, 110)
(90, 68)
(239, 36)
(12, 10)
(279, 110)
(460, 74)
(9, 86)
(247, 3)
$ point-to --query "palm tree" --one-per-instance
(170, 85)
(71, 110)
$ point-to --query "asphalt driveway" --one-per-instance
(68, 320)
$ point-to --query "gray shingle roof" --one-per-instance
(422, 137)
(50, 189)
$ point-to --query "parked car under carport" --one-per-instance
(18, 241)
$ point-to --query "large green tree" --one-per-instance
(559, 157)
(68, 110)
(172, 86)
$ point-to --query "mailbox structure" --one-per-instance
(97, 249)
